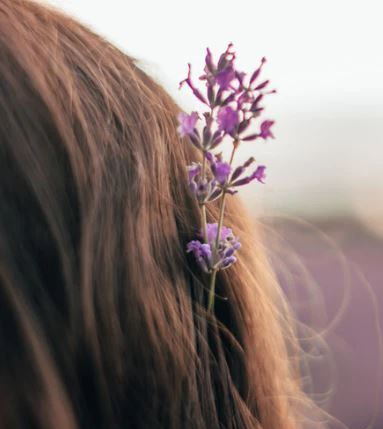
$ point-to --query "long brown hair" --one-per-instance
(102, 314)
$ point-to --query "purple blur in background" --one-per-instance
(341, 265)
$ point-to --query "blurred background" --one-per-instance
(323, 202)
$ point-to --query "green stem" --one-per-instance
(223, 199)
(220, 219)
(235, 146)
(203, 206)
(210, 306)
(203, 165)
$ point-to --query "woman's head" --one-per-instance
(102, 320)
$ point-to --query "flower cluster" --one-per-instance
(232, 101)
(212, 255)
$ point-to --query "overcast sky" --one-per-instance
(324, 57)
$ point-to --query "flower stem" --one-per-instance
(220, 219)
(223, 199)
(235, 146)
(203, 205)
(210, 306)
(214, 273)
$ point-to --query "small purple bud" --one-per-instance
(254, 106)
(226, 233)
(249, 162)
(227, 57)
(241, 169)
(265, 129)
(228, 119)
(202, 253)
(243, 98)
(256, 73)
(237, 172)
(236, 245)
(206, 136)
(212, 229)
(210, 95)
(187, 123)
(216, 142)
(221, 171)
(209, 61)
(227, 262)
(193, 170)
(228, 99)
(195, 91)
(214, 195)
(256, 111)
(187, 80)
(193, 187)
(229, 252)
(209, 156)
(259, 174)
(195, 139)
(240, 77)
(216, 139)
(225, 77)
(261, 85)
(243, 126)
(250, 137)
(197, 94)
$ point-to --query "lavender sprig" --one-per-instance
(211, 256)
(233, 101)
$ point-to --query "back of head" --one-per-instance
(102, 314)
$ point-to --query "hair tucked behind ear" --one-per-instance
(102, 314)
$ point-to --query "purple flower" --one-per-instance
(210, 67)
(265, 129)
(244, 98)
(264, 133)
(204, 190)
(221, 170)
(228, 119)
(258, 174)
(227, 58)
(225, 77)
(241, 169)
(226, 262)
(202, 254)
(255, 104)
(212, 229)
(211, 256)
(195, 91)
(193, 170)
(187, 123)
(261, 85)
(240, 77)
(255, 75)
(220, 257)
(233, 100)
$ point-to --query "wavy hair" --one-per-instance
(102, 314)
